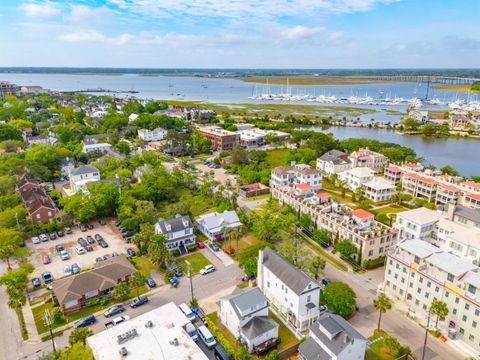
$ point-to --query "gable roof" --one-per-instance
(246, 299)
(335, 157)
(84, 169)
(176, 224)
(258, 326)
(215, 221)
(293, 278)
(104, 276)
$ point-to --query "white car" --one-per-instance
(80, 250)
(322, 309)
(35, 240)
(207, 269)
(43, 237)
(67, 270)
(64, 255)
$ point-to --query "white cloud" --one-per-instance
(83, 36)
(301, 32)
(83, 13)
(40, 9)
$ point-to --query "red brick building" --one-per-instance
(40, 206)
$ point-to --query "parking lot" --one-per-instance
(109, 233)
(219, 174)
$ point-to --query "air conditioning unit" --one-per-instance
(123, 351)
(149, 324)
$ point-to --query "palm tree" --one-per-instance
(440, 309)
(234, 234)
(382, 303)
(16, 298)
(136, 280)
(157, 250)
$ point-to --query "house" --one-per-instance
(66, 166)
(213, 225)
(286, 176)
(157, 134)
(50, 139)
(132, 117)
(220, 139)
(74, 292)
(364, 157)
(334, 162)
(81, 176)
(379, 189)
(417, 223)
(245, 314)
(333, 338)
(40, 206)
(160, 333)
(178, 232)
(321, 198)
(92, 143)
(289, 290)
(251, 190)
(252, 137)
(357, 177)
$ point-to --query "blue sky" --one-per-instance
(240, 33)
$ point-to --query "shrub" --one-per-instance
(373, 264)
(220, 338)
(176, 252)
(191, 247)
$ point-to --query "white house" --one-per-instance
(81, 176)
(368, 158)
(178, 232)
(102, 147)
(132, 117)
(417, 223)
(283, 176)
(334, 162)
(245, 314)
(357, 177)
(213, 225)
(66, 166)
(152, 135)
(333, 338)
(294, 294)
(379, 189)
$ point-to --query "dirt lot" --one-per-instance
(219, 174)
(85, 261)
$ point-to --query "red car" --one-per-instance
(88, 248)
(89, 226)
(200, 245)
(46, 259)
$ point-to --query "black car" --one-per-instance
(127, 233)
(90, 239)
(36, 282)
(114, 310)
(214, 247)
(98, 259)
(118, 223)
(326, 281)
(60, 233)
(128, 239)
(52, 236)
(176, 269)
(98, 237)
(82, 241)
(102, 222)
(131, 252)
(103, 244)
(59, 248)
(150, 282)
(83, 228)
(138, 301)
(85, 321)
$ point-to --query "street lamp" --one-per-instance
(189, 265)
(426, 333)
(48, 321)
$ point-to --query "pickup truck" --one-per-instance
(116, 321)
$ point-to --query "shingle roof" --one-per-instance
(246, 299)
(178, 223)
(467, 213)
(259, 325)
(336, 157)
(216, 220)
(292, 277)
(84, 169)
(311, 350)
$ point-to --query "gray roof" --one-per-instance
(176, 224)
(310, 350)
(243, 300)
(217, 221)
(292, 277)
(84, 169)
(451, 263)
(258, 326)
(419, 248)
(336, 156)
(331, 329)
(467, 213)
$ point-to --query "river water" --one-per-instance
(463, 154)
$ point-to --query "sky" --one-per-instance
(240, 33)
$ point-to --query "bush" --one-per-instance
(176, 252)
(192, 247)
(220, 338)
(373, 264)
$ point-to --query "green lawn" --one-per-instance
(277, 157)
(391, 209)
(287, 338)
(142, 264)
(196, 259)
(245, 242)
(377, 350)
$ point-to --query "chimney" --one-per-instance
(259, 270)
(451, 210)
(345, 338)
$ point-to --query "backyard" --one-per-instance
(378, 348)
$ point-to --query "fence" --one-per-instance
(284, 354)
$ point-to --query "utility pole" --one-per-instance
(190, 276)
(16, 218)
(48, 321)
(426, 333)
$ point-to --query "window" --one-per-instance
(472, 289)
(454, 312)
(474, 324)
(457, 300)
(308, 298)
(389, 271)
(467, 306)
(417, 302)
(419, 290)
(450, 277)
(429, 284)
(396, 276)
(464, 318)
(370, 253)
(426, 295)
(268, 284)
(437, 289)
(462, 331)
(447, 294)
(416, 260)
(471, 337)
(477, 312)
(421, 280)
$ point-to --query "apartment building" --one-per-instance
(417, 272)
(157, 134)
(252, 137)
(393, 174)
(334, 162)
(417, 223)
(40, 206)
(420, 186)
(371, 238)
(220, 139)
(357, 177)
(7, 88)
(285, 176)
(289, 290)
(379, 189)
(364, 157)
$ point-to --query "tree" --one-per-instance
(315, 265)
(447, 169)
(120, 291)
(157, 250)
(382, 303)
(234, 234)
(346, 247)
(392, 344)
(79, 335)
(16, 298)
(142, 238)
(136, 280)
(305, 221)
(293, 252)
(9, 244)
(239, 156)
(8, 132)
(322, 237)
(123, 147)
(77, 351)
(440, 309)
(272, 355)
(339, 298)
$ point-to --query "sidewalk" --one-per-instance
(33, 336)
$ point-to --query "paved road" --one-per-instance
(394, 322)
(208, 288)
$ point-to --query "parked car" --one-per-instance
(47, 277)
(118, 223)
(60, 233)
(107, 256)
(214, 247)
(326, 281)
(36, 282)
(83, 228)
(90, 239)
(176, 269)
(200, 245)
(116, 321)
(46, 259)
(88, 248)
(150, 282)
(128, 239)
(102, 222)
(35, 240)
(64, 255)
(68, 231)
(131, 252)
(89, 226)
(98, 259)
(43, 237)
(85, 321)
(81, 241)
(103, 244)
(52, 236)
(207, 269)
(114, 310)
(138, 301)
(80, 250)
(98, 237)
(127, 233)
(114, 254)
(75, 268)
(322, 309)
(67, 270)
(59, 248)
